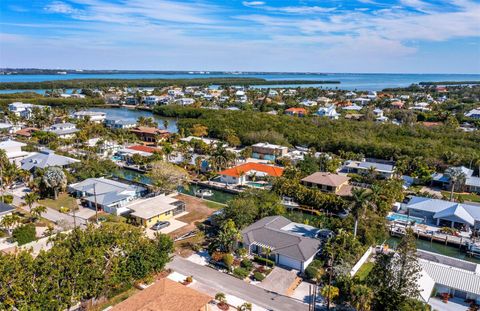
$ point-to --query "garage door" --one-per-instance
(289, 262)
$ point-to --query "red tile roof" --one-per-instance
(296, 110)
(239, 170)
(144, 148)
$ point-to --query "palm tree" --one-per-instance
(31, 198)
(9, 221)
(362, 297)
(456, 176)
(359, 204)
(38, 211)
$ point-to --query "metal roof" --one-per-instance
(45, 158)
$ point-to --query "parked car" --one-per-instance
(160, 225)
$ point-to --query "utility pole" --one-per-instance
(95, 198)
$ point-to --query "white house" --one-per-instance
(93, 116)
(329, 112)
(474, 114)
(116, 123)
(23, 110)
(362, 167)
(63, 130)
(13, 150)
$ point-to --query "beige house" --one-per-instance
(328, 182)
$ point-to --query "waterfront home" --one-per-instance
(13, 150)
(249, 172)
(151, 100)
(266, 151)
(150, 134)
(447, 275)
(363, 167)
(289, 244)
(328, 182)
(147, 212)
(64, 130)
(45, 158)
(6, 127)
(127, 153)
(93, 116)
(329, 112)
(164, 295)
(116, 123)
(474, 114)
(471, 183)
(23, 110)
(185, 101)
(301, 112)
(443, 213)
(109, 195)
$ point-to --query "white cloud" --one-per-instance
(60, 7)
(253, 3)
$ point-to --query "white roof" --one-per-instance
(470, 212)
(151, 207)
(11, 143)
(268, 145)
(426, 285)
(452, 277)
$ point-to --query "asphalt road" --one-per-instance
(230, 285)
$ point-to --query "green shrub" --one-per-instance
(247, 264)
(241, 273)
(258, 276)
(263, 261)
(228, 260)
(7, 198)
(24, 234)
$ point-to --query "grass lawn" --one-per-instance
(214, 205)
(63, 200)
(467, 197)
(364, 270)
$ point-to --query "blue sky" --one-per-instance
(410, 36)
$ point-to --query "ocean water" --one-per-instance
(349, 81)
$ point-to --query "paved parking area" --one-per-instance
(174, 225)
(279, 280)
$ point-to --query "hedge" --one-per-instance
(264, 261)
(241, 273)
(24, 234)
(258, 276)
(247, 264)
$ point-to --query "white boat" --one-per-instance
(474, 249)
(203, 193)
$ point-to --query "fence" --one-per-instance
(361, 261)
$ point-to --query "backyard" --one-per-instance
(466, 197)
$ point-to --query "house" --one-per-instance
(445, 274)
(248, 172)
(93, 116)
(23, 110)
(26, 132)
(5, 209)
(266, 151)
(308, 103)
(150, 134)
(166, 295)
(185, 101)
(445, 213)
(147, 212)
(362, 101)
(109, 195)
(45, 158)
(151, 100)
(289, 244)
(127, 153)
(363, 167)
(471, 184)
(352, 108)
(329, 112)
(13, 150)
(301, 112)
(328, 182)
(9, 128)
(115, 123)
(63, 130)
(208, 141)
(474, 114)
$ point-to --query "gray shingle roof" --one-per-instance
(45, 158)
(6, 208)
(268, 231)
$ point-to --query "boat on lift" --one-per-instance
(203, 193)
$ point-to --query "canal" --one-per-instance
(133, 115)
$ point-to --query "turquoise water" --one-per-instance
(349, 81)
(133, 115)
(405, 218)
(435, 247)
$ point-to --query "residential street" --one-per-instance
(233, 286)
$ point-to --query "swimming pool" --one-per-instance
(404, 218)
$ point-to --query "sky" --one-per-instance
(372, 36)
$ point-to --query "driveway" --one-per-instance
(230, 285)
(279, 280)
(174, 225)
